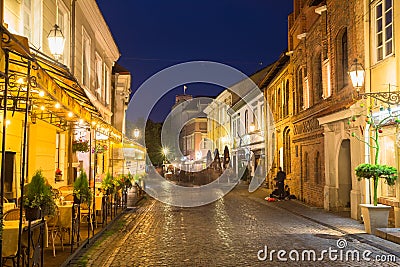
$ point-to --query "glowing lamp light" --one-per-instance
(42, 108)
(252, 128)
(56, 41)
(136, 133)
(8, 122)
(41, 94)
(357, 74)
(80, 121)
(57, 105)
(165, 151)
(21, 81)
(70, 114)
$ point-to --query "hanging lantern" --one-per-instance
(357, 74)
(56, 41)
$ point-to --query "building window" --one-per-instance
(85, 58)
(279, 104)
(286, 104)
(31, 19)
(317, 79)
(98, 77)
(300, 81)
(107, 85)
(287, 151)
(383, 29)
(306, 167)
(63, 21)
(342, 59)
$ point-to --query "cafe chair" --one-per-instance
(5, 200)
(86, 215)
(11, 215)
(69, 197)
(54, 229)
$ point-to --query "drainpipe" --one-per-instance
(72, 35)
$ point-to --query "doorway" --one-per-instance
(344, 174)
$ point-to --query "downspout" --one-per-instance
(73, 35)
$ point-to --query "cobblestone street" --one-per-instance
(231, 232)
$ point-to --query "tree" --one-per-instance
(153, 141)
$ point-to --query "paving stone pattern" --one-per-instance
(229, 232)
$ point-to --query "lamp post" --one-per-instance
(56, 41)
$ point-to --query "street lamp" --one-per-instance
(136, 133)
(56, 41)
(357, 74)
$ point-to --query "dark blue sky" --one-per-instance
(152, 35)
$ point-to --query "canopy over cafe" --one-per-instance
(44, 111)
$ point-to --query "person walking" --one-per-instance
(280, 182)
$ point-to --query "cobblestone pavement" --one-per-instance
(231, 232)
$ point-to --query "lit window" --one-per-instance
(383, 29)
(85, 58)
(99, 77)
(31, 19)
(107, 84)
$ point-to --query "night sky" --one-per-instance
(152, 35)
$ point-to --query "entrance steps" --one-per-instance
(391, 234)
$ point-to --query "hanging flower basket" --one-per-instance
(98, 149)
(80, 146)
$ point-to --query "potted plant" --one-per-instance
(375, 215)
(82, 193)
(80, 146)
(38, 198)
(107, 184)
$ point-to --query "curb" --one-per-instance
(88, 242)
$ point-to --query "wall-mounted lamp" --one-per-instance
(56, 41)
(357, 74)
(252, 128)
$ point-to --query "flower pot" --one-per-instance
(59, 177)
(375, 216)
(32, 214)
(77, 200)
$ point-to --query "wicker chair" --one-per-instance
(54, 229)
(11, 215)
(69, 197)
(86, 215)
(66, 189)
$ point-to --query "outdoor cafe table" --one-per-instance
(10, 236)
(65, 220)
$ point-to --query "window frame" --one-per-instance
(374, 30)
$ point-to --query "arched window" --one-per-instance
(342, 59)
(279, 104)
(286, 150)
(300, 80)
(317, 78)
(306, 167)
(286, 103)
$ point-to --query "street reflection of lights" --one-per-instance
(70, 114)
(42, 108)
(57, 105)
(41, 94)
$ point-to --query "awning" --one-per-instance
(51, 83)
